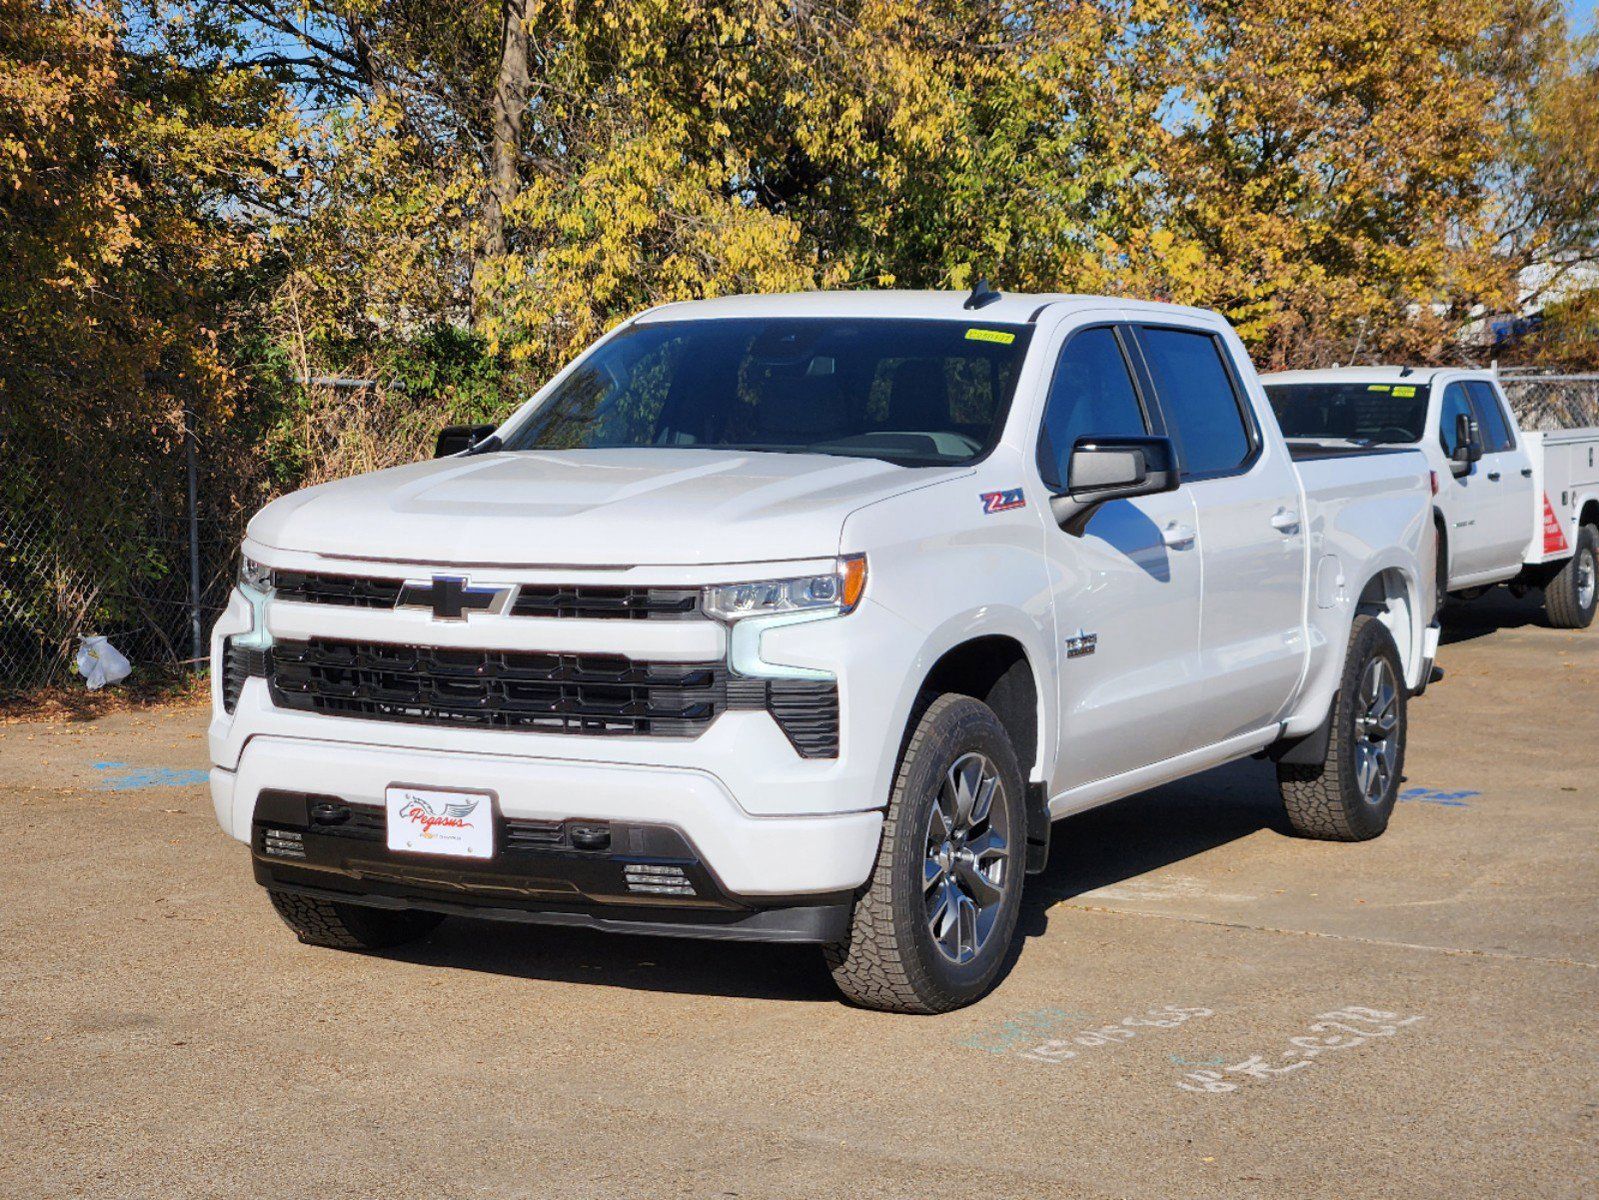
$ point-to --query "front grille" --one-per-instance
(345, 591)
(595, 602)
(586, 601)
(498, 689)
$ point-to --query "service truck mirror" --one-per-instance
(1468, 448)
(455, 438)
(1112, 468)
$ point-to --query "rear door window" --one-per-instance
(1198, 399)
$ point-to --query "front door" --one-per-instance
(1465, 500)
(1126, 591)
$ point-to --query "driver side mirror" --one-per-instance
(453, 439)
(1468, 448)
(1112, 468)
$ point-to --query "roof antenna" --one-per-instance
(982, 295)
(1406, 372)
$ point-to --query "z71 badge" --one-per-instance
(998, 502)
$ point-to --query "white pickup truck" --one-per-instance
(1513, 506)
(800, 618)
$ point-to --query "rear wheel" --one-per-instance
(1571, 596)
(1349, 795)
(350, 926)
(932, 928)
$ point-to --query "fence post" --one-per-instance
(197, 649)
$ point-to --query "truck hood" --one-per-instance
(589, 508)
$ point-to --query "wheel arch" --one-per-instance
(1391, 595)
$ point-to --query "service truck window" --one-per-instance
(1496, 435)
(1091, 395)
(1363, 414)
(1198, 400)
(917, 393)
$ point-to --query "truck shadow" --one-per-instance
(1152, 830)
(1097, 849)
(1468, 620)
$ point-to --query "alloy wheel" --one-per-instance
(968, 853)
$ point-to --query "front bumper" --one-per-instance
(742, 866)
(596, 875)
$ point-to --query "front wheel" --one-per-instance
(1350, 794)
(1571, 596)
(341, 926)
(932, 927)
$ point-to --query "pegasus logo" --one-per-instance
(453, 816)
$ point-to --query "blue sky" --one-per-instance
(1581, 13)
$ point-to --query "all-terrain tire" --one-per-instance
(1562, 595)
(1325, 800)
(350, 926)
(889, 960)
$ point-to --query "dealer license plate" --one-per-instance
(435, 821)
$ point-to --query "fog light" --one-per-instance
(283, 843)
(657, 880)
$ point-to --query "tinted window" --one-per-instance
(1370, 414)
(1091, 396)
(919, 393)
(1455, 403)
(1197, 399)
(1496, 435)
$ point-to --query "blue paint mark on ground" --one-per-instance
(1433, 796)
(124, 778)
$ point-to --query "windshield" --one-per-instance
(1372, 414)
(917, 393)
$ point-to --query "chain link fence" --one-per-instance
(1552, 401)
(50, 599)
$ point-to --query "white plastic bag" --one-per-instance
(100, 663)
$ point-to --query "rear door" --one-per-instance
(1251, 533)
(1126, 593)
(1507, 518)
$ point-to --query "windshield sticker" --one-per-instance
(1404, 392)
(998, 502)
(998, 336)
(1377, 387)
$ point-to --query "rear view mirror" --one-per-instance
(1112, 468)
(1468, 448)
(453, 439)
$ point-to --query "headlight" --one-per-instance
(253, 575)
(839, 590)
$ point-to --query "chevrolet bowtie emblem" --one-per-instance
(450, 597)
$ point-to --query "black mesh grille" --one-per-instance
(596, 602)
(238, 664)
(808, 713)
(500, 689)
(347, 591)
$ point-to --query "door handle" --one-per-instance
(1493, 476)
(1526, 472)
(1178, 537)
(1284, 521)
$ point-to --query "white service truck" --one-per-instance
(1513, 506)
(800, 618)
